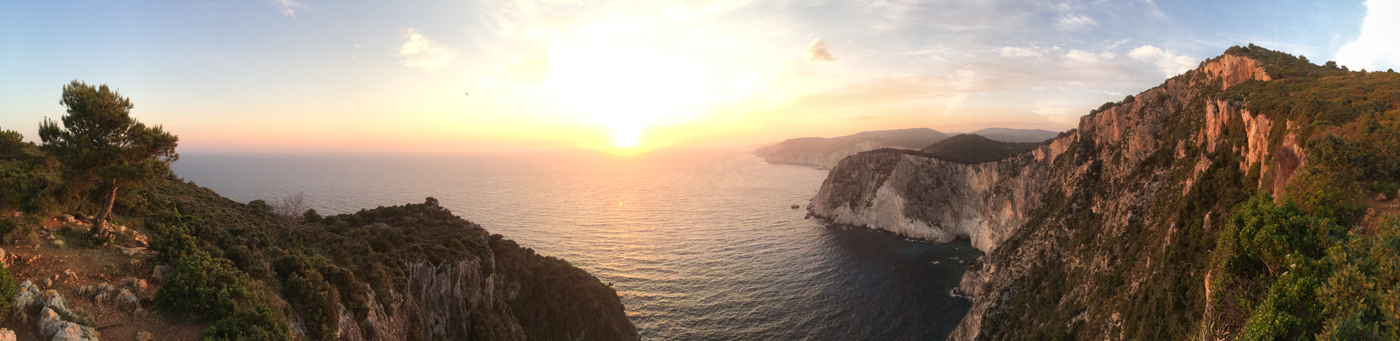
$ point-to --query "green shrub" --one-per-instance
(259, 323)
(7, 286)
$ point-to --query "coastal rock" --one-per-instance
(1116, 156)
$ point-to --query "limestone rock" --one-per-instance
(54, 328)
(49, 323)
(53, 300)
(127, 300)
(74, 332)
(7, 335)
(27, 297)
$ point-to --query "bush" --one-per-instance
(259, 323)
(202, 285)
(9, 287)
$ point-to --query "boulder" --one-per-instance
(54, 328)
(160, 271)
(53, 300)
(74, 332)
(127, 300)
(7, 335)
(26, 298)
(49, 323)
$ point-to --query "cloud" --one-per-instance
(1375, 48)
(1087, 57)
(288, 7)
(1167, 61)
(1011, 51)
(816, 52)
(1075, 21)
(421, 52)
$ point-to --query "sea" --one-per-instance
(700, 244)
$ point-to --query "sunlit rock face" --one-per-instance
(1117, 162)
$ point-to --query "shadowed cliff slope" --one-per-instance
(1167, 215)
(973, 148)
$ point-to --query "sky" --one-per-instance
(493, 75)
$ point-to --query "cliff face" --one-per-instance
(461, 300)
(1077, 224)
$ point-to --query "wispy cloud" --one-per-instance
(288, 7)
(420, 52)
(1012, 51)
(1375, 48)
(1167, 61)
(1075, 21)
(816, 52)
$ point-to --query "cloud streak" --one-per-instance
(420, 52)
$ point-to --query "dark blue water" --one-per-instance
(703, 246)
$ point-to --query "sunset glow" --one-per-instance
(622, 76)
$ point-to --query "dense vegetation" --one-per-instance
(250, 269)
(973, 148)
(1316, 260)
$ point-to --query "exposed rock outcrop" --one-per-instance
(1116, 156)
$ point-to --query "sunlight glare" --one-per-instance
(627, 89)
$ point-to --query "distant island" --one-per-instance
(824, 153)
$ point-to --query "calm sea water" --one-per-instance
(703, 246)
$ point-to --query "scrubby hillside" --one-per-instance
(1016, 135)
(197, 264)
(1251, 198)
(973, 148)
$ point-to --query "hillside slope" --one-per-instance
(1016, 135)
(825, 152)
(973, 148)
(1168, 216)
(246, 271)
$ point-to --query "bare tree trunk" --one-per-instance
(99, 223)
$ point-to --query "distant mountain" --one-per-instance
(973, 148)
(1016, 135)
(825, 152)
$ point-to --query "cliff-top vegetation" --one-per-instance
(260, 271)
(973, 148)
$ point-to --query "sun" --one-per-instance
(627, 90)
(626, 136)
